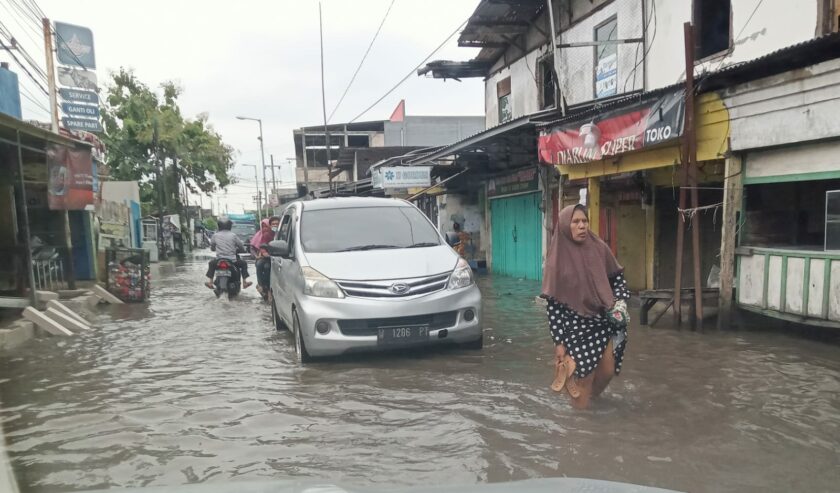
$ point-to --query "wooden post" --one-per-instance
(691, 141)
(732, 194)
(593, 203)
(687, 159)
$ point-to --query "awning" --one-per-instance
(514, 137)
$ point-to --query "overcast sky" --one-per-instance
(261, 59)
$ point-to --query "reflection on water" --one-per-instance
(190, 389)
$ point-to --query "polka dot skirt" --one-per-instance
(586, 338)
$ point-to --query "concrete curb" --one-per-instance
(15, 334)
(8, 484)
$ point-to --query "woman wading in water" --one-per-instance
(587, 314)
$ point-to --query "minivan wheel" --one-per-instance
(300, 345)
(275, 317)
(476, 344)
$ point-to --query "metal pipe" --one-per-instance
(27, 240)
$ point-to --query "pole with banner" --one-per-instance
(48, 49)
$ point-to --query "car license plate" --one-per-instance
(223, 273)
(402, 336)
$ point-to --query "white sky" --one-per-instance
(261, 59)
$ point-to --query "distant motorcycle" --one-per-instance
(227, 280)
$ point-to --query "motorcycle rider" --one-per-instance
(226, 245)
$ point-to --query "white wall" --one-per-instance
(578, 64)
(775, 25)
(787, 108)
(523, 86)
(120, 191)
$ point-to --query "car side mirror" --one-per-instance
(278, 248)
(452, 239)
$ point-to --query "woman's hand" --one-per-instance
(559, 353)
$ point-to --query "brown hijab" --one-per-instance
(577, 274)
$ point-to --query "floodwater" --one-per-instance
(190, 389)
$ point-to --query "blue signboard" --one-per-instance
(84, 110)
(82, 124)
(74, 45)
(78, 96)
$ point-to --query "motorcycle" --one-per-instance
(227, 279)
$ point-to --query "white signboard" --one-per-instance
(73, 77)
(606, 76)
(406, 176)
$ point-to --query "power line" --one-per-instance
(743, 28)
(412, 72)
(650, 45)
(4, 30)
(22, 19)
(22, 66)
(364, 57)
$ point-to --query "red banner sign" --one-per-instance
(70, 182)
(614, 132)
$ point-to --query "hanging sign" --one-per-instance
(606, 76)
(70, 183)
(72, 77)
(74, 45)
(406, 176)
(83, 124)
(83, 110)
(78, 96)
(524, 180)
(614, 132)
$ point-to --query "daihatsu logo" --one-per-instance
(400, 288)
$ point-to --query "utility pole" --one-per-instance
(305, 167)
(262, 157)
(689, 179)
(259, 204)
(324, 100)
(48, 49)
(273, 180)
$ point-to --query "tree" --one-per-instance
(150, 141)
(210, 223)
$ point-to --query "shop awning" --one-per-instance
(514, 140)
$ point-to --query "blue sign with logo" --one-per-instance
(74, 45)
(78, 96)
(84, 110)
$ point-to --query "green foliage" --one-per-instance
(211, 224)
(146, 134)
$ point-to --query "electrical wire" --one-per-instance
(364, 57)
(31, 97)
(703, 78)
(22, 66)
(649, 47)
(14, 45)
(412, 72)
(21, 18)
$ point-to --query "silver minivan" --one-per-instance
(368, 274)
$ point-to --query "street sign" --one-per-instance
(74, 45)
(406, 176)
(82, 124)
(84, 110)
(78, 96)
(72, 77)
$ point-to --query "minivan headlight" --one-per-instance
(319, 285)
(462, 276)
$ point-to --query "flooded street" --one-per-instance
(189, 389)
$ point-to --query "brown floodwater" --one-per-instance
(189, 389)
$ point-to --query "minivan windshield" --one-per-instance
(365, 228)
